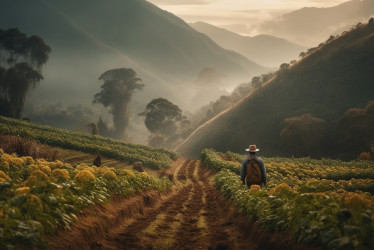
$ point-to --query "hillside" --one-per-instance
(69, 203)
(266, 50)
(314, 95)
(94, 36)
(310, 26)
(155, 158)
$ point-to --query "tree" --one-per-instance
(21, 61)
(303, 134)
(355, 129)
(94, 128)
(209, 77)
(161, 117)
(256, 81)
(116, 93)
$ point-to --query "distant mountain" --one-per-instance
(311, 26)
(266, 50)
(318, 107)
(88, 37)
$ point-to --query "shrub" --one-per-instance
(4, 176)
(61, 174)
(109, 175)
(23, 190)
(85, 176)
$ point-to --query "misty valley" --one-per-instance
(120, 107)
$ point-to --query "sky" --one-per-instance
(236, 15)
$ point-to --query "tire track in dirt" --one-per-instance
(193, 215)
(155, 225)
(192, 218)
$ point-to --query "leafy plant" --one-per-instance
(37, 196)
(320, 202)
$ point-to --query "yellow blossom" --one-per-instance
(94, 169)
(34, 202)
(355, 200)
(23, 190)
(4, 176)
(36, 178)
(102, 170)
(144, 175)
(1, 151)
(18, 162)
(84, 176)
(31, 181)
(6, 157)
(254, 188)
(41, 161)
(109, 175)
(61, 174)
(81, 166)
(28, 159)
(4, 165)
(33, 167)
(59, 162)
(281, 188)
(128, 173)
(52, 165)
(67, 165)
(40, 175)
(46, 169)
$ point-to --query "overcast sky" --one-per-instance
(236, 15)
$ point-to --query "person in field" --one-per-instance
(253, 171)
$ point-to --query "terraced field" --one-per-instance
(193, 215)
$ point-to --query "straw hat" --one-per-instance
(252, 148)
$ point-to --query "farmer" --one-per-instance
(253, 170)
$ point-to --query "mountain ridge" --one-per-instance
(314, 25)
(153, 39)
(264, 49)
(325, 84)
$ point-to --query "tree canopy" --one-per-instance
(116, 93)
(161, 116)
(21, 61)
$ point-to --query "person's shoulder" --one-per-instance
(259, 159)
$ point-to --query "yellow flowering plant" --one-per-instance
(85, 176)
(317, 201)
(61, 174)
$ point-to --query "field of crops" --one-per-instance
(322, 203)
(155, 158)
(37, 196)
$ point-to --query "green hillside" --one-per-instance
(314, 95)
(155, 158)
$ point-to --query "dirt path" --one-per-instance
(194, 215)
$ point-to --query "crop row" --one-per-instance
(351, 176)
(315, 211)
(37, 196)
(150, 157)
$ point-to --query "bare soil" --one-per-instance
(192, 215)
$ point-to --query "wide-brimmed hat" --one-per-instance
(252, 148)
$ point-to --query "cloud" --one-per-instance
(181, 2)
